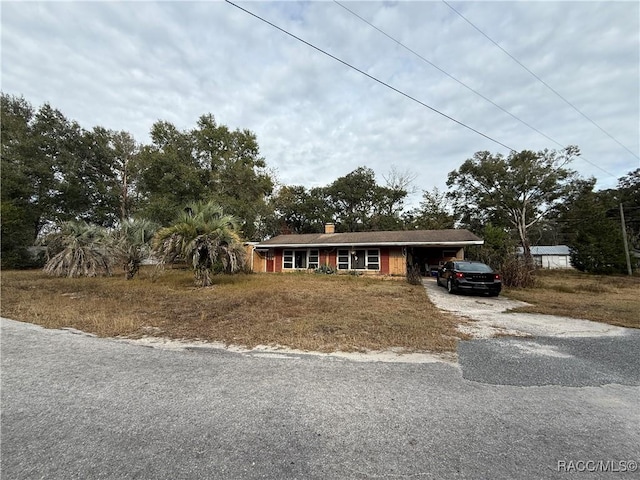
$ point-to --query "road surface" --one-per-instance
(78, 407)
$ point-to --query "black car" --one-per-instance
(463, 275)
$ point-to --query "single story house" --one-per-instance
(381, 253)
(549, 256)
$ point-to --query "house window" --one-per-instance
(359, 259)
(343, 259)
(287, 259)
(300, 258)
(314, 259)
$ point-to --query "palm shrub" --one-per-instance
(132, 244)
(206, 238)
(78, 249)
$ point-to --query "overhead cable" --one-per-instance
(540, 79)
(371, 77)
(466, 86)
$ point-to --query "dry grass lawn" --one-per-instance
(303, 311)
(609, 299)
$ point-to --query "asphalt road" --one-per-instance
(78, 407)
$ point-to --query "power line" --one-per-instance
(466, 86)
(372, 77)
(447, 74)
(540, 79)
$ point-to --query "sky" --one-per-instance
(126, 65)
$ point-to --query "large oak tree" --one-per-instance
(517, 191)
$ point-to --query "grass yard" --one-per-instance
(609, 299)
(303, 311)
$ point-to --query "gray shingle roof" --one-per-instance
(401, 237)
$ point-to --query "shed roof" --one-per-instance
(415, 238)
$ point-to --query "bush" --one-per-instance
(413, 275)
(516, 273)
(326, 269)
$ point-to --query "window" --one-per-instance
(300, 258)
(343, 259)
(359, 259)
(287, 259)
(314, 259)
(373, 260)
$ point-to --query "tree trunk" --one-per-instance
(526, 246)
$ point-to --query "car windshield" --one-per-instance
(473, 267)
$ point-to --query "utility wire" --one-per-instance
(446, 73)
(372, 77)
(540, 79)
(465, 85)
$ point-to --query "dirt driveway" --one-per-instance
(489, 317)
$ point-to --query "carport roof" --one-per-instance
(405, 238)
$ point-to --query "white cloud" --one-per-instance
(125, 65)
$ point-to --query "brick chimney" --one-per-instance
(329, 228)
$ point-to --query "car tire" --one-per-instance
(450, 288)
(494, 294)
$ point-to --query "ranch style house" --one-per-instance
(376, 253)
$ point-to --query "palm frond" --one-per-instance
(205, 237)
(78, 249)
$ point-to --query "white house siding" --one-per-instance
(549, 256)
(552, 261)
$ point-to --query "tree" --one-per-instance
(91, 171)
(29, 180)
(52, 171)
(360, 204)
(592, 229)
(628, 194)
(434, 212)
(518, 191)
(132, 244)
(19, 216)
(299, 210)
(237, 179)
(78, 249)
(206, 238)
(125, 151)
(169, 176)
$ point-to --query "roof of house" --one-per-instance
(416, 238)
(547, 250)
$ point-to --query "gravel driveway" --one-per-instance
(489, 317)
(538, 349)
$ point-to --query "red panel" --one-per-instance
(277, 260)
(328, 257)
(384, 260)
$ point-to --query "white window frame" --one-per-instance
(371, 259)
(289, 258)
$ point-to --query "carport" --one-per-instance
(429, 259)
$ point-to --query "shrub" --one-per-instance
(326, 269)
(78, 249)
(516, 273)
(413, 275)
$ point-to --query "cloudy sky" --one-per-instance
(125, 65)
